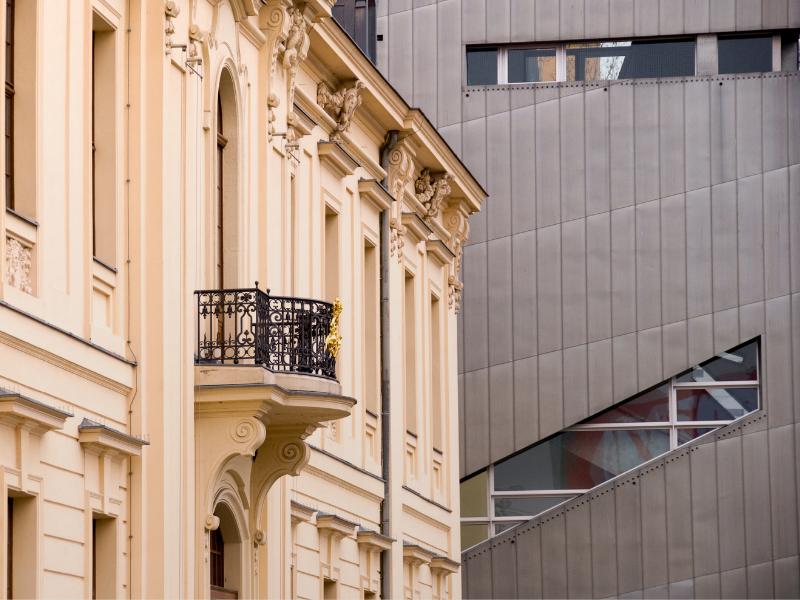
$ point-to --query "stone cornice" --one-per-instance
(416, 555)
(301, 513)
(337, 158)
(418, 229)
(441, 565)
(97, 439)
(372, 191)
(372, 541)
(439, 250)
(20, 411)
(335, 527)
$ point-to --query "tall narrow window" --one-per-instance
(22, 547)
(410, 355)
(436, 373)
(94, 559)
(10, 548)
(104, 142)
(222, 141)
(331, 254)
(217, 559)
(371, 328)
(10, 104)
(94, 154)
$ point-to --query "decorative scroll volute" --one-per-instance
(171, 11)
(458, 227)
(401, 171)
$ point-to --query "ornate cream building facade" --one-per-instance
(228, 311)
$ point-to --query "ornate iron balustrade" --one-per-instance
(248, 326)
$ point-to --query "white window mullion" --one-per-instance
(561, 62)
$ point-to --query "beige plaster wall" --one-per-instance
(113, 341)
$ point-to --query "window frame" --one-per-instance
(673, 425)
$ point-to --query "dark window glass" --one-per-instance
(745, 55)
(650, 407)
(737, 365)
(482, 66)
(526, 65)
(687, 435)
(630, 60)
(217, 567)
(716, 404)
(525, 507)
(579, 459)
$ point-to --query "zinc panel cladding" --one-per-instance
(720, 158)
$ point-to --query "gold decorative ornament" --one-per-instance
(334, 340)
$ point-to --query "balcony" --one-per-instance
(250, 327)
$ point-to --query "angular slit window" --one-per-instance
(579, 458)
(603, 61)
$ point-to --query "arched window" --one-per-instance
(225, 546)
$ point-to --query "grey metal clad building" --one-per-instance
(643, 163)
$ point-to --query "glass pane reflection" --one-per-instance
(531, 65)
(525, 507)
(579, 459)
(501, 527)
(629, 60)
(687, 435)
(650, 407)
(739, 365)
(716, 404)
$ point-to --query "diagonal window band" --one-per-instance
(606, 445)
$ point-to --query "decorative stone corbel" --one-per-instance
(396, 238)
(211, 523)
(331, 530)
(372, 544)
(458, 227)
(195, 37)
(18, 265)
(273, 102)
(441, 567)
(171, 10)
(431, 193)
(415, 556)
(401, 170)
(342, 104)
(259, 539)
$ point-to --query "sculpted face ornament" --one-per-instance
(343, 104)
(334, 340)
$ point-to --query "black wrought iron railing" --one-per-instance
(248, 326)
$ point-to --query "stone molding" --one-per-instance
(372, 191)
(301, 513)
(19, 411)
(101, 440)
(416, 556)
